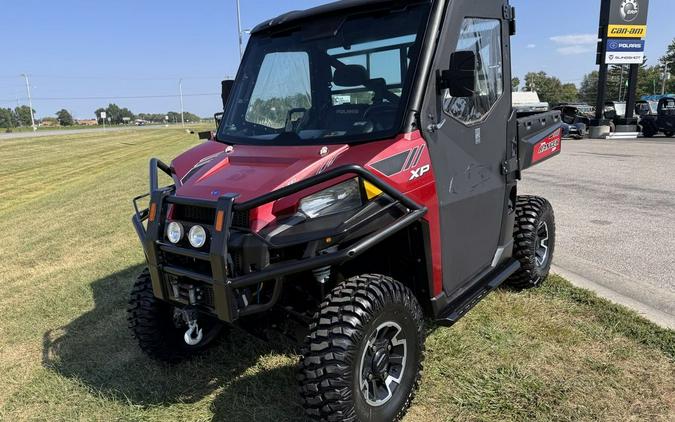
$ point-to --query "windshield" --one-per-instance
(328, 81)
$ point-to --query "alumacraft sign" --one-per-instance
(628, 19)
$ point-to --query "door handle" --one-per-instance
(433, 127)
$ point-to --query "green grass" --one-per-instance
(69, 255)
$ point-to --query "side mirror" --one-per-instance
(460, 78)
(225, 91)
(218, 117)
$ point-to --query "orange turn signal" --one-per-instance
(219, 220)
(153, 212)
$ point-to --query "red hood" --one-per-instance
(212, 169)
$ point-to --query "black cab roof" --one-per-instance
(335, 8)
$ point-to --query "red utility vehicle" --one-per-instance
(363, 177)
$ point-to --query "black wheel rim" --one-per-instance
(383, 363)
(542, 252)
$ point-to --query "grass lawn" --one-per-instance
(69, 255)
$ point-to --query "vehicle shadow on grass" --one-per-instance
(249, 379)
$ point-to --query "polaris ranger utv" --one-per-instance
(662, 121)
(363, 177)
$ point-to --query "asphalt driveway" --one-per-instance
(615, 212)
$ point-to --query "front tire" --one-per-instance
(363, 357)
(159, 333)
(534, 241)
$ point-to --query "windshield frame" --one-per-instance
(260, 38)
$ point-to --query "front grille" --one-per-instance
(200, 215)
(194, 214)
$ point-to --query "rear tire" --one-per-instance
(362, 360)
(534, 241)
(158, 333)
(648, 131)
(669, 134)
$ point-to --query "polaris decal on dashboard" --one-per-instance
(548, 147)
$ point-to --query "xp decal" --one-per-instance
(417, 173)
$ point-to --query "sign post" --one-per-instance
(623, 27)
(103, 117)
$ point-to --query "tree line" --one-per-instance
(21, 117)
(650, 82)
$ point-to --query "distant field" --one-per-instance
(69, 255)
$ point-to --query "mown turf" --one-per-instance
(69, 255)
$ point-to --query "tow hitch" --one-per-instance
(194, 335)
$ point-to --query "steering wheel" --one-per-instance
(289, 117)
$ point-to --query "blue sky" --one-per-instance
(83, 49)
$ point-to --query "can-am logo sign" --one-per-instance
(630, 10)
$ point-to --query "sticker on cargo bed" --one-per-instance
(548, 147)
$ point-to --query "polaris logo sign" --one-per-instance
(626, 46)
(625, 51)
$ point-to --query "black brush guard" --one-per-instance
(224, 302)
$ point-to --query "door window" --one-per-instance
(483, 37)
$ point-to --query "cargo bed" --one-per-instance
(539, 138)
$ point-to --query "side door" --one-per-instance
(468, 143)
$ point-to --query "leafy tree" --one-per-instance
(569, 93)
(64, 117)
(515, 84)
(23, 114)
(550, 88)
(668, 58)
(8, 118)
(588, 92)
(115, 114)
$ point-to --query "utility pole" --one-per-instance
(621, 84)
(180, 89)
(30, 102)
(665, 78)
(241, 34)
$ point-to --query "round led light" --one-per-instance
(197, 236)
(174, 232)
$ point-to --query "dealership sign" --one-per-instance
(625, 27)
(625, 46)
(624, 51)
(624, 58)
(628, 19)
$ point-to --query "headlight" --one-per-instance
(174, 232)
(197, 236)
(339, 198)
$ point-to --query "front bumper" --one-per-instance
(214, 289)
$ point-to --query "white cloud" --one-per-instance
(572, 44)
(531, 46)
(575, 49)
(575, 39)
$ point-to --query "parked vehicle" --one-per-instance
(663, 121)
(615, 111)
(576, 121)
(364, 176)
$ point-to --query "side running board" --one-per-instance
(465, 303)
